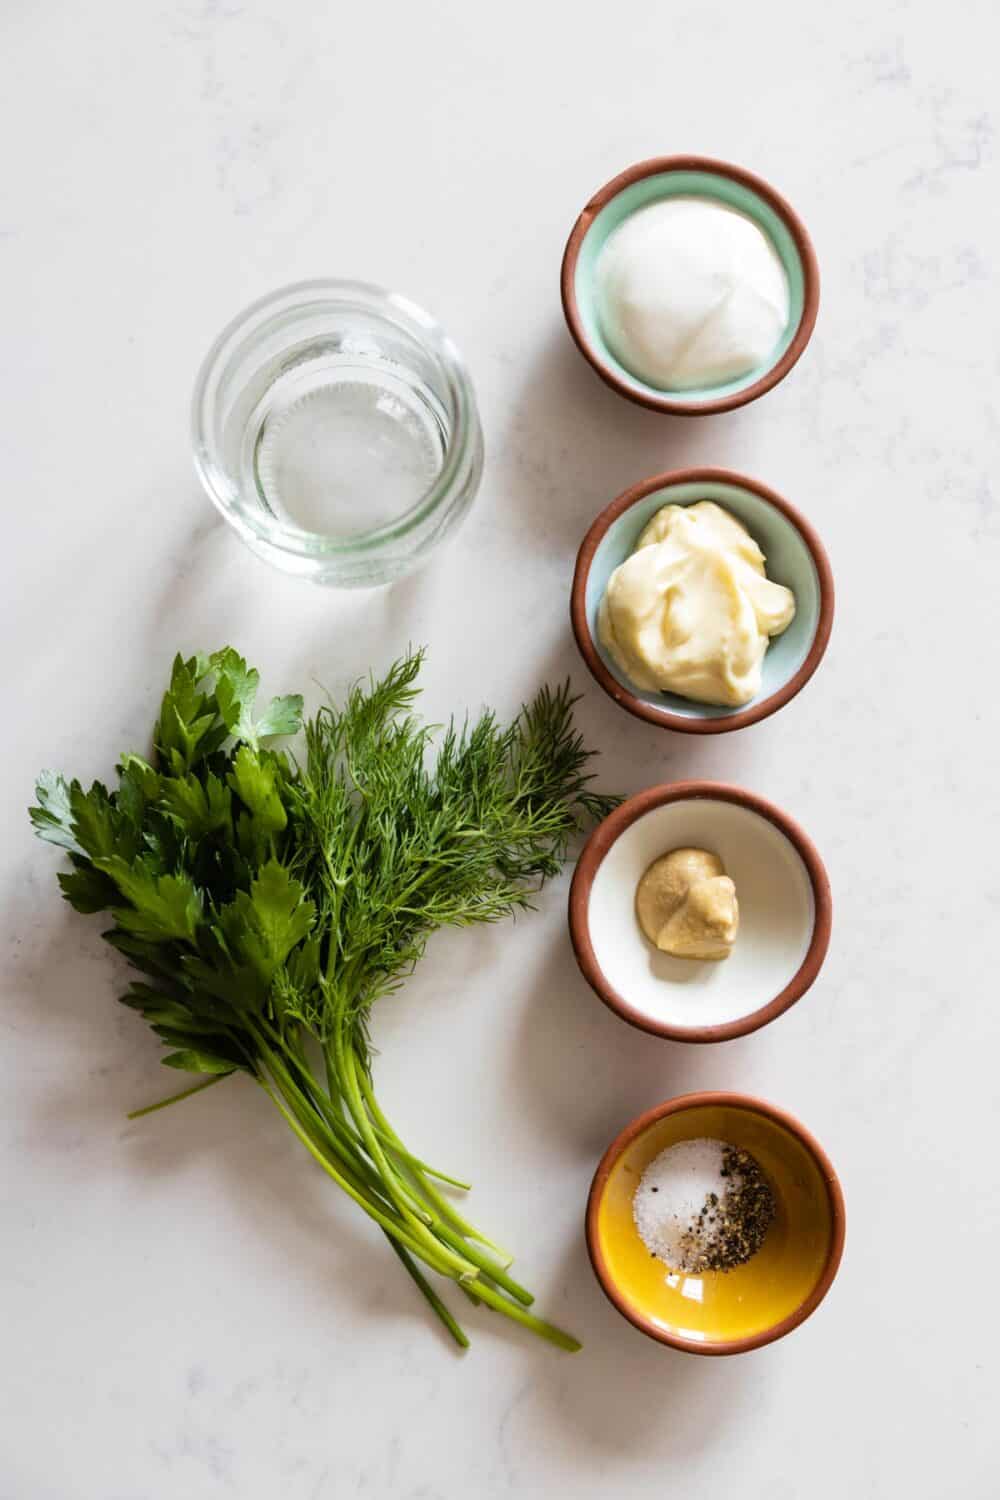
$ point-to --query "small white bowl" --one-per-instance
(784, 900)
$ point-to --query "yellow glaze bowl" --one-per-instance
(720, 1312)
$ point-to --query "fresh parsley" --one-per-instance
(269, 901)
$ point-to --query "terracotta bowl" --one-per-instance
(689, 176)
(786, 913)
(795, 557)
(734, 1311)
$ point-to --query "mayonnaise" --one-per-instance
(692, 610)
(691, 294)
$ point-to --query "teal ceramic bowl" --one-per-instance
(795, 557)
(689, 176)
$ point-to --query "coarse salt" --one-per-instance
(673, 1190)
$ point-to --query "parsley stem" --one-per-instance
(464, 1262)
(397, 1148)
(331, 1122)
(312, 1121)
(269, 904)
(389, 1135)
(196, 1088)
(527, 1320)
(325, 1117)
(485, 1264)
(392, 1226)
(446, 1210)
(436, 1249)
(443, 1312)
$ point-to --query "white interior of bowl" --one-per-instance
(777, 915)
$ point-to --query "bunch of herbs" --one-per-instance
(269, 901)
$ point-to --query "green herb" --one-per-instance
(269, 902)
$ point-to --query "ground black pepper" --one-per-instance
(728, 1237)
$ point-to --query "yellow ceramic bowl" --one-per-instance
(732, 1311)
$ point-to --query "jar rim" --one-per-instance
(255, 523)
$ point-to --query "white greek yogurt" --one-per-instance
(691, 294)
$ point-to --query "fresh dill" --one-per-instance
(269, 901)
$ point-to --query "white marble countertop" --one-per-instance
(187, 1310)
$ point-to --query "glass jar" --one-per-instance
(335, 427)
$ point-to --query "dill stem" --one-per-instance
(445, 1210)
(445, 1233)
(485, 1264)
(331, 1117)
(464, 1264)
(393, 1227)
(416, 1164)
(314, 1122)
(392, 1139)
(537, 1325)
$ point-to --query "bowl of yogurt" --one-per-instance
(690, 285)
(715, 1223)
(702, 601)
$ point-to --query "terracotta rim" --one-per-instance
(664, 717)
(796, 228)
(838, 1216)
(604, 837)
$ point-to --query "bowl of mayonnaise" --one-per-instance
(702, 601)
(690, 285)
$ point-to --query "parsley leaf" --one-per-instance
(281, 716)
(236, 694)
(200, 807)
(264, 925)
(87, 890)
(162, 906)
(270, 902)
(255, 783)
(52, 818)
